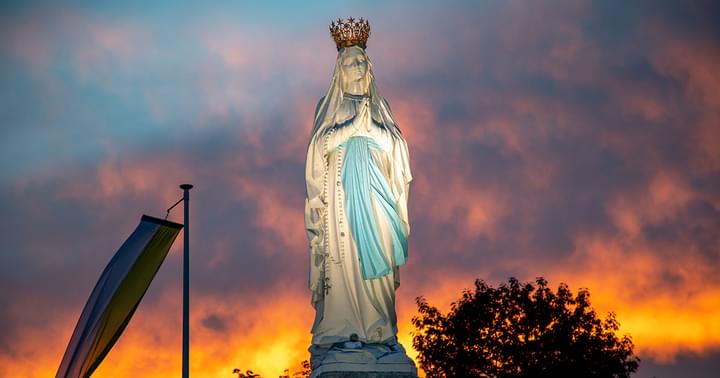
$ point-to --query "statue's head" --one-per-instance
(350, 38)
(353, 75)
(354, 66)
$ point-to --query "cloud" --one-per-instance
(42, 36)
(577, 142)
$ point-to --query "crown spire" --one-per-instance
(351, 32)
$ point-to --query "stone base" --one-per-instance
(357, 359)
(368, 374)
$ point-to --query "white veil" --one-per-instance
(326, 113)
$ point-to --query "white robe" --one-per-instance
(345, 303)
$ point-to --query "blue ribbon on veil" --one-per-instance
(364, 184)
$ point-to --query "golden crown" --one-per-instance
(350, 32)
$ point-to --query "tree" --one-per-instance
(303, 373)
(521, 330)
(246, 374)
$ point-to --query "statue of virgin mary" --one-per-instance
(357, 177)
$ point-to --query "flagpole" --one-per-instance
(186, 282)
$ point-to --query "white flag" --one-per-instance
(116, 296)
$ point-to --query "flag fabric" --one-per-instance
(116, 295)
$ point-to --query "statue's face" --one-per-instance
(354, 65)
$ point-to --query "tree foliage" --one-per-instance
(303, 373)
(521, 330)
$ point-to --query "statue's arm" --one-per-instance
(401, 174)
(314, 208)
(401, 181)
(314, 203)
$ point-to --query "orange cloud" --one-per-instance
(666, 195)
(693, 63)
(263, 334)
(623, 277)
(154, 177)
(275, 212)
(475, 211)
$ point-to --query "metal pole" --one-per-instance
(186, 282)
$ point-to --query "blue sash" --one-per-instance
(364, 184)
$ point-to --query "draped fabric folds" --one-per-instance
(357, 175)
(357, 178)
(319, 214)
(366, 187)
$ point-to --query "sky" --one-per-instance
(574, 140)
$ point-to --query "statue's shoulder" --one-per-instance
(384, 116)
(385, 101)
(317, 107)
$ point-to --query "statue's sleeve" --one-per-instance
(401, 177)
(314, 208)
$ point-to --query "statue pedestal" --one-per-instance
(369, 374)
(360, 360)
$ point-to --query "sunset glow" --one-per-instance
(574, 140)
